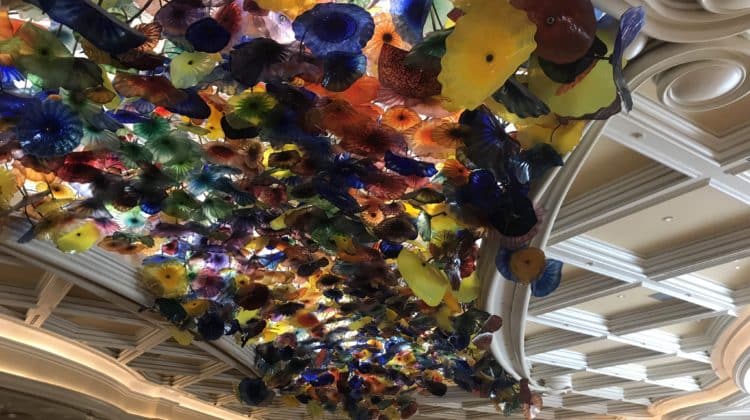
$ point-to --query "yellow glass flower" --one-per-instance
(7, 187)
(189, 68)
(196, 307)
(486, 47)
(562, 137)
(291, 8)
(595, 91)
(79, 239)
(58, 191)
(252, 106)
(167, 280)
(425, 280)
(469, 289)
(213, 125)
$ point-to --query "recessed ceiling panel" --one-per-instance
(690, 328)
(595, 346)
(734, 275)
(621, 302)
(607, 162)
(679, 221)
(533, 328)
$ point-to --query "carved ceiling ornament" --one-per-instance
(688, 20)
(699, 76)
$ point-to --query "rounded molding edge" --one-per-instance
(705, 85)
(44, 357)
(687, 21)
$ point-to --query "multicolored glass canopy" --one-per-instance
(311, 178)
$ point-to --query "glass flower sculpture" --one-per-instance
(311, 178)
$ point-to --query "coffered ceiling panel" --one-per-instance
(689, 328)
(621, 302)
(532, 328)
(675, 222)
(608, 161)
(734, 275)
(596, 346)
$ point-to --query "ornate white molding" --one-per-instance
(687, 20)
(113, 279)
(730, 360)
(685, 150)
(38, 355)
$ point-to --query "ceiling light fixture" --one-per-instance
(736, 267)
(667, 219)
(620, 296)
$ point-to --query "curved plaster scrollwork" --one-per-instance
(46, 358)
(730, 359)
(510, 300)
(688, 20)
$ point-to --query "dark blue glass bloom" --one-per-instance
(9, 75)
(207, 35)
(330, 27)
(248, 61)
(48, 129)
(252, 391)
(128, 117)
(549, 280)
(409, 16)
(12, 104)
(211, 326)
(631, 24)
(192, 107)
(342, 69)
(408, 167)
(93, 23)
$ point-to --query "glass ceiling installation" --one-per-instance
(311, 178)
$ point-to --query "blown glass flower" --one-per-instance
(48, 129)
(481, 55)
(329, 27)
(314, 188)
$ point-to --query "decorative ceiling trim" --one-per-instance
(624, 196)
(731, 362)
(665, 272)
(42, 356)
(113, 279)
(677, 21)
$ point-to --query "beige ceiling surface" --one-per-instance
(596, 346)
(734, 275)
(695, 215)
(532, 328)
(621, 302)
(607, 162)
(690, 328)
(570, 272)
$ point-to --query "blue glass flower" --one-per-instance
(48, 129)
(407, 166)
(631, 24)
(9, 75)
(330, 27)
(409, 16)
(530, 266)
(342, 69)
(207, 35)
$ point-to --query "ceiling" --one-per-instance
(654, 233)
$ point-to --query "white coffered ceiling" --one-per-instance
(655, 230)
(655, 234)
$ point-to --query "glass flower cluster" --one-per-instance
(312, 179)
